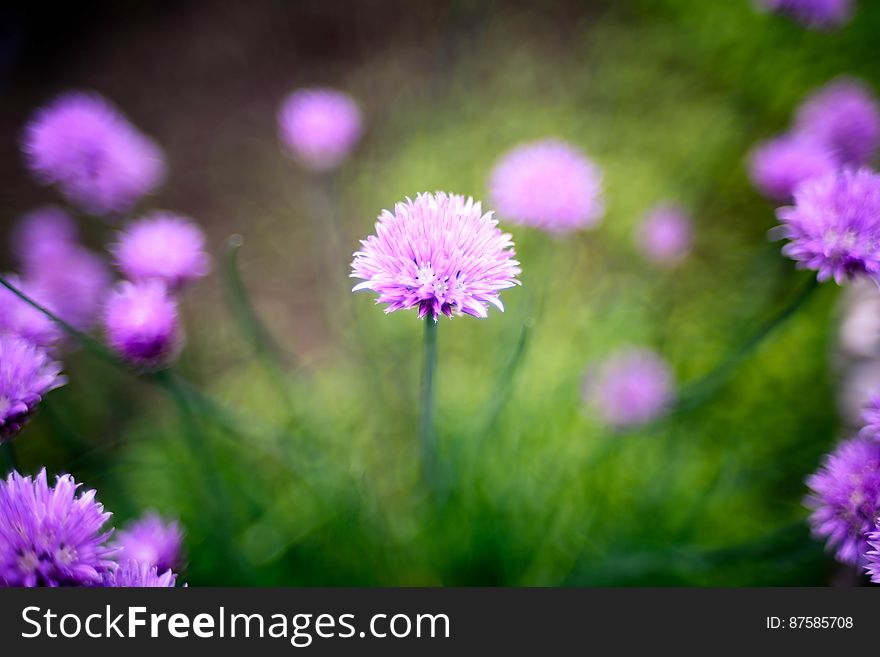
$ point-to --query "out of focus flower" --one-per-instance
(632, 387)
(548, 184)
(872, 556)
(439, 253)
(319, 127)
(162, 246)
(18, 317)
(778, 166)
(49, 535)
(821, 14)
(843, 116)
(142, 324)
(834, 225)
(133, 574)
(26, 375)
(86, 147)
(845, 498)
(871, 418)
(152, 541)
(665, 235)
(41, 233)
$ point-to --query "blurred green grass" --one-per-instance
(667, 97)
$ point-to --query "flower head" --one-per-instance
(132, 574)
(872, 556)
(26, 375)
(549, 185)
(142, 324)
(821, 14)
(834, 225)
(665, 235)
(778, 166)
(98, 160)
(843, 116)
(18, 317)
(845, 498)
(152, 541)
(165, 247)
(319, 127)
(41, 233)
(871, 418)
(50, 535)
(632, 387)
(439, 253)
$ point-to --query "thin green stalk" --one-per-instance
(427, 433)
(9, 456)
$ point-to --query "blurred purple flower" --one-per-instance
(547, 184)
(665, 235)
(843, 116)
(822, 14)
(50, 536)
(872, 556)
(152, 541)
(779, 165)
(632, 387)
(871, 418)
(85, 146)
(845, 498)
(42, 232)
(439, 253)
(132, 574)
(142, 324)
(19, 318)
(319, 127)
(26, 375)
(834, 225)
(162, 246)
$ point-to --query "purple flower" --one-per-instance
(632, 387)
(152, 541)
(549, 185)
(98, 160)
(665, 236)
(834, 225)
(778, 166)
(26, 375)
(822, 14)
(17, 317)
(50, 536)
(872, 556)
(439, 253)
(162, 246)
(845, 498)
(139, 575)
(844, 116)
(142, 324)
(42, 232)
(871, 418)
(319, 127)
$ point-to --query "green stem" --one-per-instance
(9, 456)
(427, 435)
(703, 389)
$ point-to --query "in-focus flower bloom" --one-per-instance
(98, 160)
(439, 253)
(845, 498)
(548, 184)
(871, 418)
(50, 535)
(665, 235)
(319, 127)
(834, 225)
(152, 541)
(844, 116)
(142, 324)
(140, 575)
(17, 317)
(778, 166)
(632, 387)
(872, 556)
(822, 14)
(162, 246)
(26, 375)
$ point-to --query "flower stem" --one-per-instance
(9, 456)
(427, 437)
